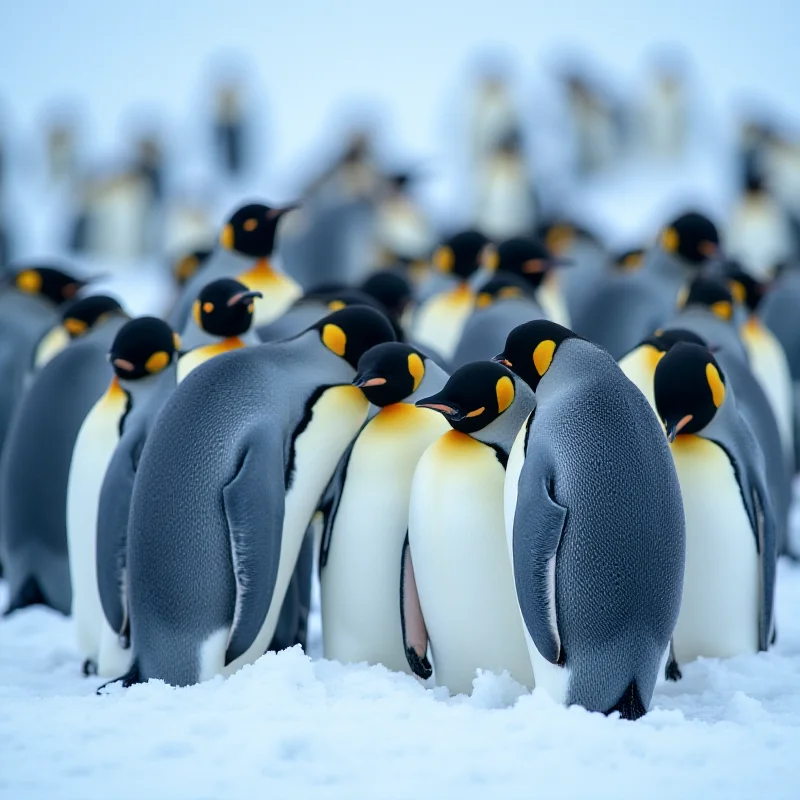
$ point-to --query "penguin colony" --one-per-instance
(523, 454)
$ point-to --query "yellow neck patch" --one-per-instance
(505, 393)
(186, 267)
(670, 240)
(543, 355)
(715, 384)
(416, 368)
(29, 281)
(444, 259)
(157, 362)
(260, 272)
(723, 309)
(334, 338)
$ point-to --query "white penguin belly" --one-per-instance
(440, 321)
(361, 580)
(200, 355)
(279, 291)
(112, 659)
(720, 603)
(461, 564)
(335, 420)
(94, 447)
(552, 300)
(639, 367)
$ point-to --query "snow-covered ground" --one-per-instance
(294, 726)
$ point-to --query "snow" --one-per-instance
(298, 726)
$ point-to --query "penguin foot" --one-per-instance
(89, 667)
(672, 671)
(420, 665)
(127, 680)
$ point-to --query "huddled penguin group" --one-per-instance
(527, 455)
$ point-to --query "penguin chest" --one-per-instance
(441, 320)
(361, 580)
(719, 607)
(53, 342)
(461, 564)
(200, 355)
(639, 368)
(94, 447)
(279, 291)
(516, 458)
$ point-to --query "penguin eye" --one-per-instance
(543, 355)
(250, 224)
(504, 388)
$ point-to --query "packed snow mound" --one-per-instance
(293, 726)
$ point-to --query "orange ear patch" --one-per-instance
(543, 355)
(715, 384)
(505, 393)
(416, 368)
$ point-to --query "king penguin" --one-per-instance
(727, 605)
(440, 318)
(594, 524)
(222, 317)
(35, 465)
(361, 563)
(245, 252)
(227, 483)
(456, 534)
(140, 354)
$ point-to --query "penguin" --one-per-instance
(628, 260)
(226, 485)
(706, 307)
(439, 319)
(140, 356)
(457, 555)
(394, 293)
(244, 252)
(728, 588)
(532, 261)
(765, 353)
(361, 564)
(590, 483)
(186, 266)
(401, 226)
(221, 320)
(35, 464)
(77, 320)
(501, 304)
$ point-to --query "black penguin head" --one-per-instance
(251, 230)
(351, 331)
(745, 289)
(49, 283)
(188, 264)
(225, 308)
(693, 237)
(474, 396)
(710, 293)
(82, 315)
(502, 286)
(628, 260)
(390, 372)
(531, 347)
(339, 297)
(144, 346)
(390, 289)
(528, 258)
(689, 387)
(663, 341)
(461, 255)
(560, 234)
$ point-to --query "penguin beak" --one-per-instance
(710, 250)
(673, 429)
(277, 213)
(243, 298)
(365, 381)
(432, 402)
(121, 363)
(500, 358)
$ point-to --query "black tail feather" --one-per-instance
(29, 594)
(133, 675)
(630, 705)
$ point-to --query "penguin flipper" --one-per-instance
(112, 533)
(538, 526)
(415, 632)
(254, 507)
(767, 556)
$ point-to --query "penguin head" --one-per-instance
(528, 258)
(49, 283)
(746, 290)
(474, 396)
(692, 237)
(461, 255)
(662, 341)
(144, 346)
(710, 293)
(225, 308)
(337, 297)
(391, 290)
(628, 260)
(389, 373)
(689, 388)
(188, 264)
(502, 286)
(560, 235)
(531, 347)
(84, 314)
(251, 229)
(351, 331)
